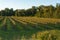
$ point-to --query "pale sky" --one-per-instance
(25, 4)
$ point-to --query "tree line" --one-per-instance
(41, 11)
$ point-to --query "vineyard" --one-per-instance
(29, 28)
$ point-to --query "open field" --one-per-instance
(29, 28)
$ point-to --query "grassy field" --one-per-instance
(29, 28)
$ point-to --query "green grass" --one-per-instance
(44, 35)
(29, 32)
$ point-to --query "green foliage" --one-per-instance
(41, 11)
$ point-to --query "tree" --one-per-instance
(57, 11)
(11, 12)
(7, 12)
(51, 11)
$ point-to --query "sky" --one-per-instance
(25, 4)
